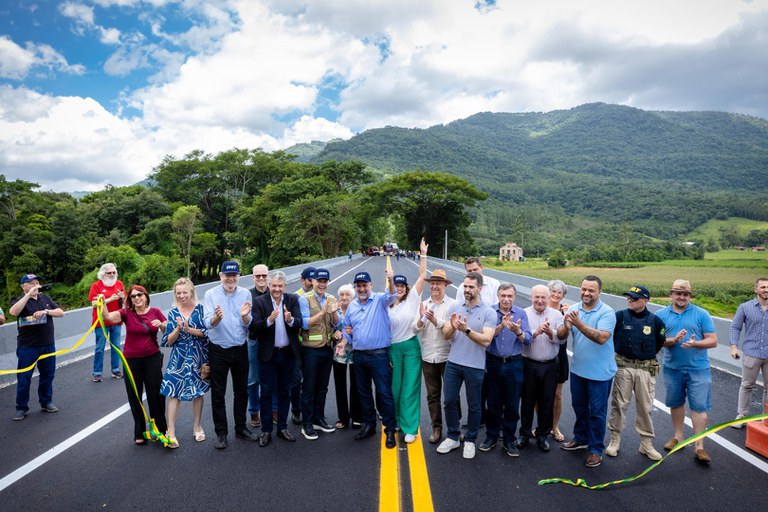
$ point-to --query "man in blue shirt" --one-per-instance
(227, 316)
(471, 328)
(591, 322)
(753, 317)
(368, 319)
(504, 372)
(690, 333)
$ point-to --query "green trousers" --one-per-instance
(406, 383)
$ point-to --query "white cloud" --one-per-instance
(251, 73)
(17, 62)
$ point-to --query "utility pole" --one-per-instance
(445, 246)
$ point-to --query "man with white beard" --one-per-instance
(113, 290)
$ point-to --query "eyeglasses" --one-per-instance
(110, 273)
(259, 276)
(136, 295)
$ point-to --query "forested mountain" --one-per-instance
(586, 175)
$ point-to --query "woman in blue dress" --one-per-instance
(182, 380)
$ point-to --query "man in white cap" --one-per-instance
(690, 333)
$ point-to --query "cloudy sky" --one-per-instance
(96, 92)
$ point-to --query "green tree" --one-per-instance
(428, 203)
(185, 224)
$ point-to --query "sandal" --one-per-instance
(140, 442)
(557, 435)
(172, 443)
(199, 436)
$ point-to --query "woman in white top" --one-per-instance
(405, 352)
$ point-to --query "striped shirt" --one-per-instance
(542, 347)
(755, 318)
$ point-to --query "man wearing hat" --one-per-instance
(368, 318)
(433, 313)
(227, 318)
(319, 316)
(306, 281)
(637, 338)
(691, 332)
(35, 312)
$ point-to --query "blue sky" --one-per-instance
(96, 92)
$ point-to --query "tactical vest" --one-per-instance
(634, 337)
(318, 335)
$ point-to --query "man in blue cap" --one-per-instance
(368, 317)
(35, 312)
(228, 318)
(637, 338)
(306, 281)
(319, 317)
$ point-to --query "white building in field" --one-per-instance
(510, 252)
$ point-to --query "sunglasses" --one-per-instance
(110, 273)
(260, 276)
(136, 295)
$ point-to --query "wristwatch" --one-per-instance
(467, 331)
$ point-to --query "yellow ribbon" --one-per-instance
(580, 482)
(153, 434)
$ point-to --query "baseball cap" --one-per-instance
(362, 276)
(638, 292)
(401, 279)
(28, 277)
(308, 273)
(322, 273)
(230, 267)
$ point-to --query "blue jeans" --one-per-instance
(113, 331)
(590, 403)
(472, 378)
(372, 367)
(504, 382)
(46, 367)
(316, 370)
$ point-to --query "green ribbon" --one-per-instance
(580, 482)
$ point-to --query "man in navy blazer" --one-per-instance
(276, 324)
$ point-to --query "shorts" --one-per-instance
(695, 384)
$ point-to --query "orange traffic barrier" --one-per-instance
(757, 436)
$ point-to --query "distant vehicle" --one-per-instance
(373, 251)
(390, 248)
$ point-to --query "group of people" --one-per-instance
(281, 348)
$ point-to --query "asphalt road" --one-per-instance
(83, 458)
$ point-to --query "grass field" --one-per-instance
(721, 281)
(711, 228)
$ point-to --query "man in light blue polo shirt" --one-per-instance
(690, 333)
(368, 318)
(591, 322)
(227, 317)
(471, 328)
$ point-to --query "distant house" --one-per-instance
(510, 252)
(759, 248)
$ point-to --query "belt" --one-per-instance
(373, 351)
(283, 348)
(548, 361)
(504, 359)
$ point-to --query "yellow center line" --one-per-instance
(420, 490)
(389, 479)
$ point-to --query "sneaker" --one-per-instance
(511, 449)
(309, 432)
(409, 438)
(593, 460)
(96, 378)
(448, 445)
(469, 450)
(255, 420)
(117, 375)
(20, 415)
(573, 446)
(739, 425)
(488, 444)
(49, 408)
(323, 425)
